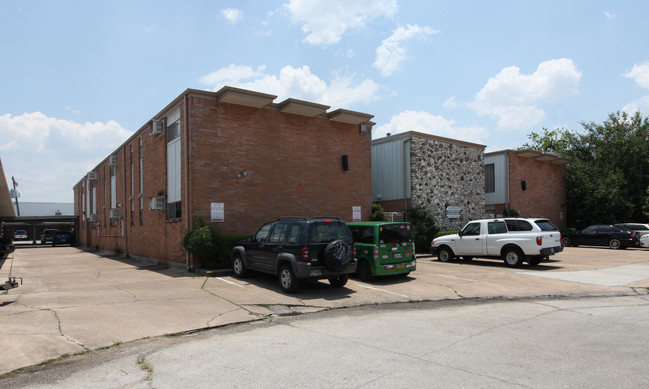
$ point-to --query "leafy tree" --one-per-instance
(607, 180)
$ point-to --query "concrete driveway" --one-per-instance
(72, 301)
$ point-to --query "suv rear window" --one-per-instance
(395, 233)
(324, 232)
(545, 225)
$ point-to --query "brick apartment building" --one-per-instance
(529, 181)
(232, 156)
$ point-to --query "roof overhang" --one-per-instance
(350, 117)
(232, 95)
(543, 157)
(304, 108)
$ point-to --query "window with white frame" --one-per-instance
(173, 166)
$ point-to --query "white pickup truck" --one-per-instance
(514, 240)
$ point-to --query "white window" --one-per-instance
(173, 165)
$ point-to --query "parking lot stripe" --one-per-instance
(229, 282)
(381, 290)
(457, 278)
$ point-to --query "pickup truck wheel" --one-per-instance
(614, 244)
(513, 257)
(238, 267)
(287, 279)
(444, 254)
(363, 271)
(340, 281)
(337, 256)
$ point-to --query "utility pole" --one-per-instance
(16, 195)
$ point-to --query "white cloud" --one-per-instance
(391, 53)
(300, 83)
(609, 15)
(429, 124)
(641, 105)
(232, 15)
(640, 74)
(51, 154)
(513, 99)
(325, 21)
(450, 102)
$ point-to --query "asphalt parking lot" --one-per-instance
(72, 301)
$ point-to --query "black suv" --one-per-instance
(297, 248)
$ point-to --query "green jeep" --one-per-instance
(383, 248)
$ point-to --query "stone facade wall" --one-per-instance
(447, 174)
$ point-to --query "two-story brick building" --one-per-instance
(233, 156)
(526, 180)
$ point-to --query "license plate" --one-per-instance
(401, 266)
(398, 255)
(316, 272)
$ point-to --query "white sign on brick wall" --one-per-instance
(217, 212)
(356, 213)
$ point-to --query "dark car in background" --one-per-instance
(20, 235)
(601, 235)
(47, 236)
(63, 237)
(639, 229)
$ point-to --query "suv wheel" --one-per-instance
(238, 267)
(287, 279)
(340, 281)
(337, 256)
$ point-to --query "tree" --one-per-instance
(607, 180)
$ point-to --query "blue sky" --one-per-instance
(77, 78)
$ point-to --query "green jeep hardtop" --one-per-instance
(383, 248)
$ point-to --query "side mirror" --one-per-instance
(250, 238)
(461, 233)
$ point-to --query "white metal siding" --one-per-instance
(500, 179)
(387, 170)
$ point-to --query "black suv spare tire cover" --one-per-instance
(337, 256)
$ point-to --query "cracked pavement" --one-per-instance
(74, 301)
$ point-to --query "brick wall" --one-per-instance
(292, 165)
(545, 194)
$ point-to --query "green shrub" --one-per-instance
(203, 242)
(423, 227)
(450, 232)
(377, 213)
(227, 244)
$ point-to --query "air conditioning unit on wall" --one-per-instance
(157, 203)
(92, 175)
(93, 217)
(114, 213)
(113, 160)
(156, 127)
